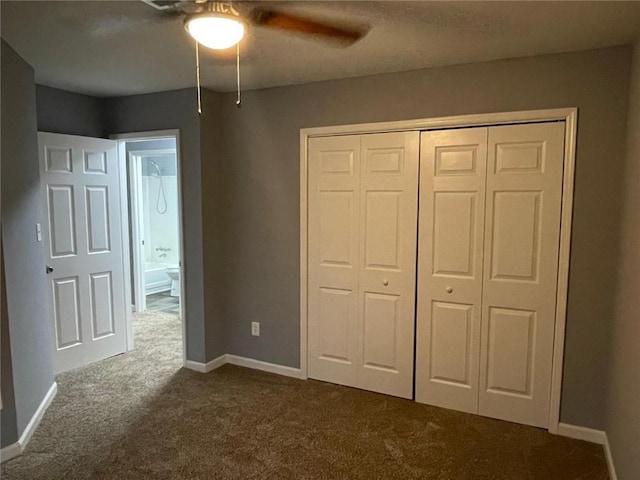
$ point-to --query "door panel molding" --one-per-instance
(449, 167)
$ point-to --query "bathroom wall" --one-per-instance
(161, 230)
(146, 146)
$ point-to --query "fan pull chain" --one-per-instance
(239, 100)
(198, 78)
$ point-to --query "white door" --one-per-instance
(80, 187)
(362, 252)
(387, 250)
(524, 191)
(489, 238)
(334, 210)
(452, 204)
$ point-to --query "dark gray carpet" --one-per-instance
(141, 416)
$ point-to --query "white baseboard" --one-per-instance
(243, 362)
(582, 433)
(609, 457)
(157, 287)
(264, 366)
(206, 367)
(35, 420)
(593, 436)
(10, 451)
(17, 448)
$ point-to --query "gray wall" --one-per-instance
(60, 111)
(261, 194)
(213, 212)
(24, 259)
(623, 407)
(8, 423)
(175, 110)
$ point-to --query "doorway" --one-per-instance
(152, 185)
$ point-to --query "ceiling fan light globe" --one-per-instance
(215, 31)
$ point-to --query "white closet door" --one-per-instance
(388, 223)
(452, 205)
(524, 189)
(361, 254)
(334, 206)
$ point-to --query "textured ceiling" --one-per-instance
(114, 48)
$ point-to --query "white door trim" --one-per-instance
(134, 171)
(126, 251)
(151, 135)
(568, 115)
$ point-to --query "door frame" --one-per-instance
(123, 162)
(568, 115)
(135, 176)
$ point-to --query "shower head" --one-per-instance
(158, 170)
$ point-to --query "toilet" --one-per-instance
(174, 273)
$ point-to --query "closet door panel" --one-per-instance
(524, 189)
(388, 203)
(334, 205)
(451, 328)
(451, 226)
(454, 221)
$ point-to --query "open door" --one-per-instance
(81, 193)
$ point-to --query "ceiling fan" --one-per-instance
(221, 25)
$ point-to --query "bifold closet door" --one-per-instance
(524, 194)
(333, 262)
(452, 197)
(387, 250)
(362, 221)
(489, 229)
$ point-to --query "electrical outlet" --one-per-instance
(255, 329)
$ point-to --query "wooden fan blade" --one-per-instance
(263, 17)
(173, 8)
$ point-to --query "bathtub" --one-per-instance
(156, 279)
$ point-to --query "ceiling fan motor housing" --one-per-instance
(218, 26)
(224, 8)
